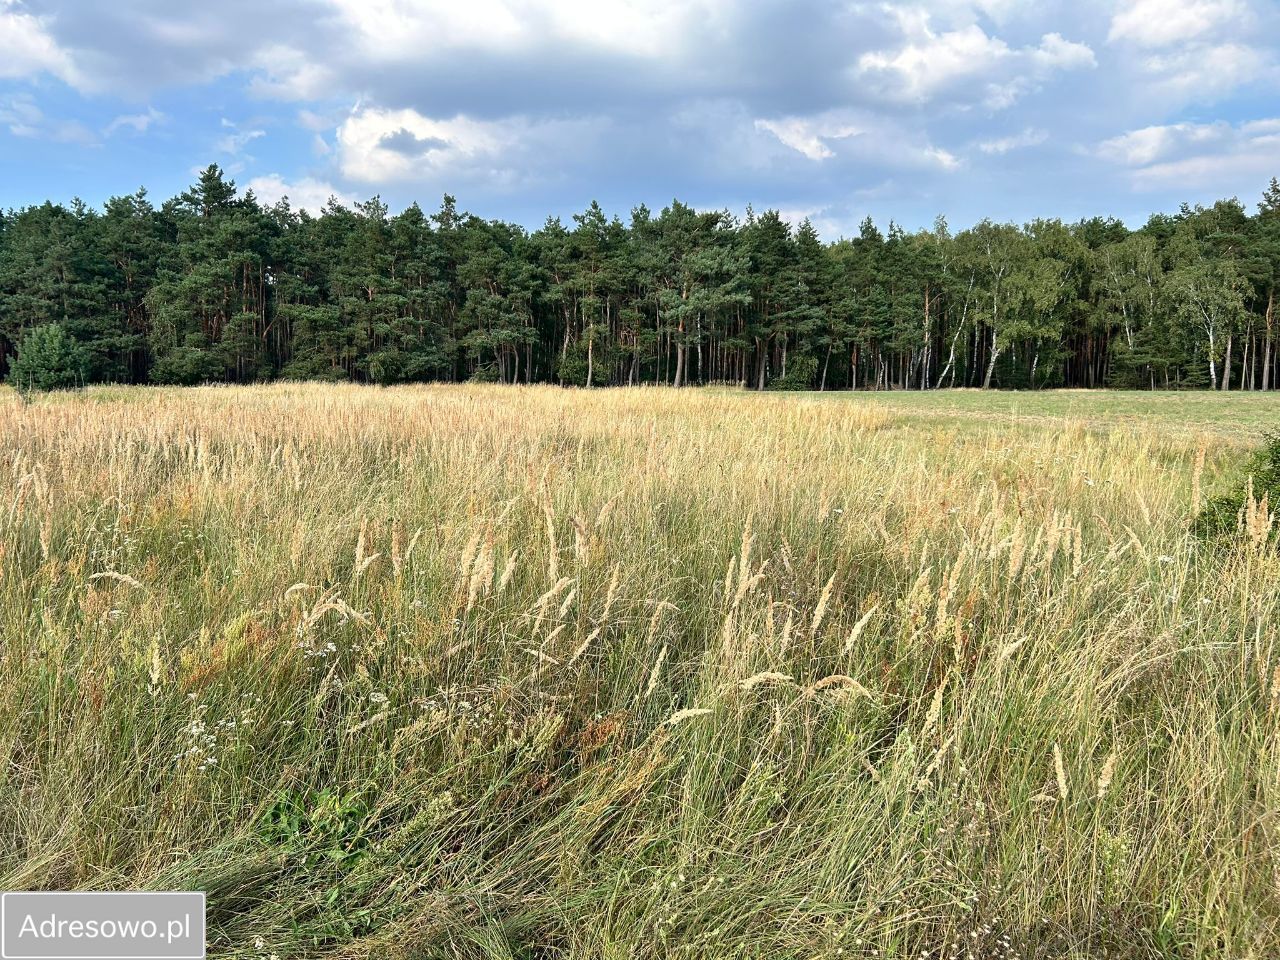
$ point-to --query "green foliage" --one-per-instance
(1221, 516)
(49, 359)
(485, 373)
(213, 286)
(572, 367)
(388, 366)
(801, 371)
(187, 366)
(320, 826)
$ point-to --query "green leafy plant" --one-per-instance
(187, 365)
(49, 359)
(324, 826)
(1221, 515)
(801, 369)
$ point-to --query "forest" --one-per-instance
(215, 286)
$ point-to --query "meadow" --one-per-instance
(521, 672)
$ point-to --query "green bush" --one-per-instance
(1221, 515)
(572, 367)
(186, 366)
(49, 359)
(801, 371)
(485, 373)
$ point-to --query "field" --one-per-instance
(499, 673)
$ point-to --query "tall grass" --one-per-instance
(512, 673)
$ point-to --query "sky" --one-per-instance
(525, 109)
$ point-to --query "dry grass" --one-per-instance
(520, 672)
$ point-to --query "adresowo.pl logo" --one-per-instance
(102, 926)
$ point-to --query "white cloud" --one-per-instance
(943, 158)
(137, 122)
(808, 137)
(1029, 137)
(306, 193)
(402, 29)
(23, 118)
(1163, 23)
(234, 143)
(1206, 72)
(1057, 52)
(1196, 154)
(377, 145)
(316, 121)
(291, 74)
(931, 62)
(26, 48)
(21, 115)
(1139, 148)
(1196, 50)
(857, 136)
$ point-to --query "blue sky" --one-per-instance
(529, 108)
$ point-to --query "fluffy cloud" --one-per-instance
(1029, 137)
(305, 193)
(1057, 52)
(137, 122)
(1207, 72)
(1163, 23)
(26, 47)
(929, 62)
(1196, 50)
(859, 137)
(234, 142)
(23, 118)
(1196, 154)
(288, 73)
(522, 107)
(649, 28)
(808, 137)
(377, 145)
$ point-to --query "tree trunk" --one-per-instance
(1266, 361)
(681, 348)
(991, 364)
(1213, 362)
(1246, 371)
(1226, 364)
(698, 348)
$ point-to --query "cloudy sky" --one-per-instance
(524, 108)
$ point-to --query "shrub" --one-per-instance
(801, 370)
(186, 366)
(387, 367)
(485, 373)
(1221, 515)
(49, 359)
(572, 367)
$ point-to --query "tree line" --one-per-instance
(213, 285)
